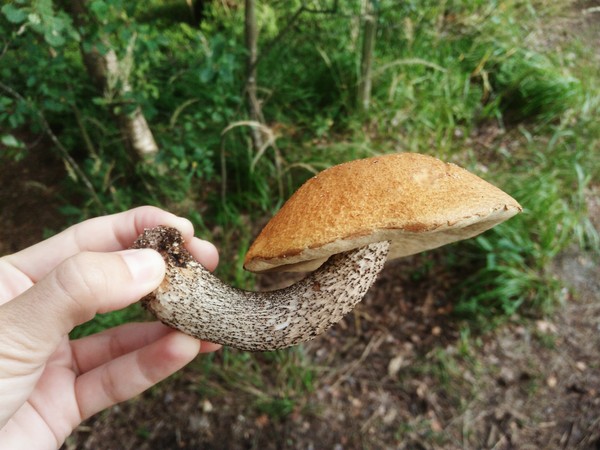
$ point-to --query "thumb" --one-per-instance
(34, 323)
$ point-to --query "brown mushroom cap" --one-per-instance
(416, 202)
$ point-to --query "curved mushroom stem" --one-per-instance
(194, 301)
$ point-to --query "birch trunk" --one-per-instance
(254, 107)
(366, 65)
(105, 70)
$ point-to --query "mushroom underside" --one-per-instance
(197, 303)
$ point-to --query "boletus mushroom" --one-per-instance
(342, 224)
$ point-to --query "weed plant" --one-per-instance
(273, 383)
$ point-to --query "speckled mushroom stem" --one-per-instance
(194, 301)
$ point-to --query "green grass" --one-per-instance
(272, 383)
(109, 320)
(513, 261)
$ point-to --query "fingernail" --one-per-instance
(143, 264)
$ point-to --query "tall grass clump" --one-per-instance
(272, 383)
(511, 264)
(527, 85)
(552, 172)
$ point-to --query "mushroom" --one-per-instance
(344, 223)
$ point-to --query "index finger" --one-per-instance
(101, 234)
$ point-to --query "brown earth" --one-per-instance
(29, 199)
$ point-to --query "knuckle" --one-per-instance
(115, 346)
(80, 279)
(110, 386)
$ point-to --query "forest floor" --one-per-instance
(397, 373)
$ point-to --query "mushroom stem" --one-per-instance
(196, 302)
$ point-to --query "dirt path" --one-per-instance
(540, 382)
(547, 390)
(28, 199)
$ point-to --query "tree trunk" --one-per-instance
(254, 107)
(366, 64)
(104, 68)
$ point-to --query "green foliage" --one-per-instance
(515, 258)
(41, 17)
(273, 383)
(31, 29)
(109, 320)
(526, 84)
(12, 147)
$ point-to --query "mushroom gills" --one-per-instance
(196, 302)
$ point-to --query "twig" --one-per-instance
(83, 130)
(270, 142)
(288, 26)
(366, 63)
(286, 29)
(7, 42)
(4, 49)
(254, 107)
(374, 343)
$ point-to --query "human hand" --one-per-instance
(49, 384)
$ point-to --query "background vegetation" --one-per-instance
(473, 82)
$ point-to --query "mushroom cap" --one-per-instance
(416, 202)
